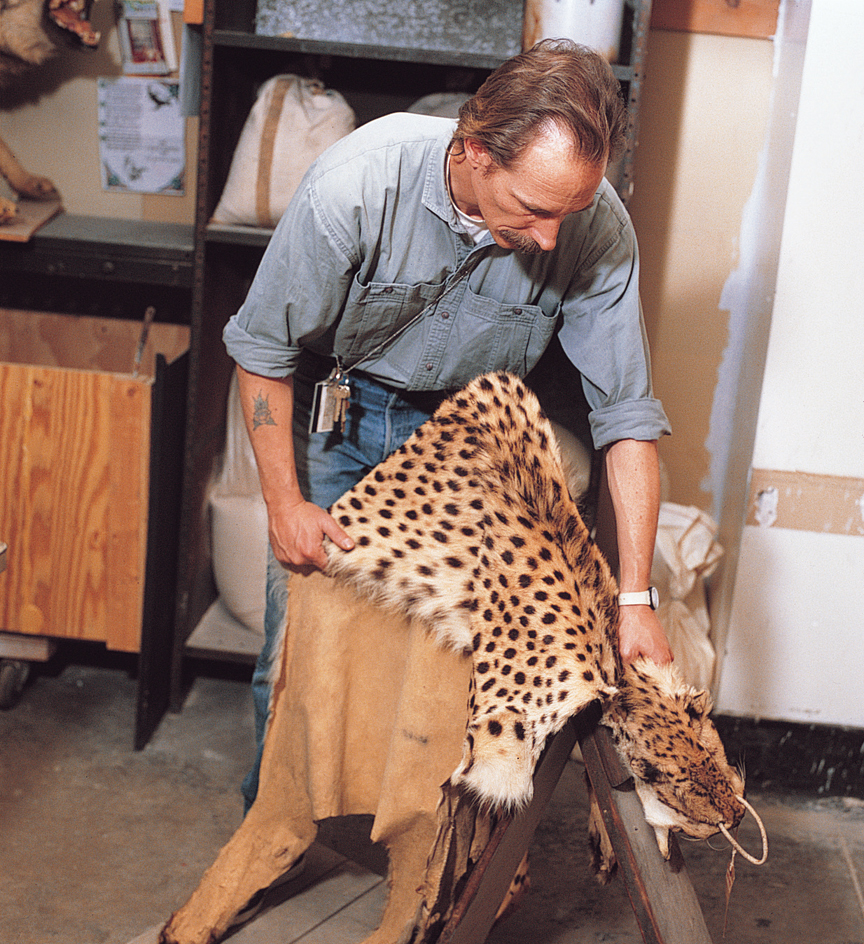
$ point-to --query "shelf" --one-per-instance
(237, 39)
(466, 59)
(238, 235)
(92, 247)
(221, 637)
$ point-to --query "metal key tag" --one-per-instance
(329, 403)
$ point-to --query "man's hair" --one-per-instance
(555, 83)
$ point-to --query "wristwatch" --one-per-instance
(649, 597)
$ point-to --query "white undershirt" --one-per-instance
(475, 226)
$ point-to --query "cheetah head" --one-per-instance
(661, 728)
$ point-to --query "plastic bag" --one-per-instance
(686, 553)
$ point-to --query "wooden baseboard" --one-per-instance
(817, 759)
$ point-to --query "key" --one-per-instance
(342, 394)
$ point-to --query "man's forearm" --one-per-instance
(296, 526)
(633, 471)
(268, 408)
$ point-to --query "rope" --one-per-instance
(737, 846)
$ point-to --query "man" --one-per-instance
(417, 255)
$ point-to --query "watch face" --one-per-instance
(655, 597)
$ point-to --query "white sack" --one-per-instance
(292, 121)
(238, 524)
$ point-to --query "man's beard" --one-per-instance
(520, 242)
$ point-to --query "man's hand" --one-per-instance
(297, 533)
(640, 633)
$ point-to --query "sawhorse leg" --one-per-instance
(663, 900)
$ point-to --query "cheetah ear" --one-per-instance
(698, 705)
(614, 711)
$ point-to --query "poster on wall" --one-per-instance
(146, 37)
(141, 135)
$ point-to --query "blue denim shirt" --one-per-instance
(370, 263)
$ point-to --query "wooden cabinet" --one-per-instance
(90, 474)
(376, 78)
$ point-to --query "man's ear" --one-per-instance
(478, 157)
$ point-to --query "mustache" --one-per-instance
(521, 242)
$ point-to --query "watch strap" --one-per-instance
(641, 598)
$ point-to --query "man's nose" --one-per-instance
(545, 233)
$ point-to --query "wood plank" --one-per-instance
(68, 443)
(664, 902)
(128, 464)
(57, 428)
(193, 12)
(29, 648)
(83, 343)
(756, 19)
(474, 914)
(31, 215)
(12, 426)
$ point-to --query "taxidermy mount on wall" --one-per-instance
(31, 33)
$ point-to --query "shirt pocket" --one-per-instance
(490, 335)
(376, 311)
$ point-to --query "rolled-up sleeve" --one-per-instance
(642, 419)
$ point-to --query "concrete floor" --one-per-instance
(99, 843)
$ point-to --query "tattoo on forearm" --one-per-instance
(261, 415)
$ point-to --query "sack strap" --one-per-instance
(268, 146)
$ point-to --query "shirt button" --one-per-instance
(517, 311)
(445, 315)
(388, 290)
(429, 367)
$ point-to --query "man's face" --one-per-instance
(524, 205)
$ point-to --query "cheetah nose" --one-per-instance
(737, 846)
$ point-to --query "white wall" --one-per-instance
(795, 644)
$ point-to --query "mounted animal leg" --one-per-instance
(22, 182)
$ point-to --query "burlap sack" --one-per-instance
(292, 121)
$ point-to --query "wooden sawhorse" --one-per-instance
(664, 902)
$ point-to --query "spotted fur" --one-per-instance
(469, 527)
